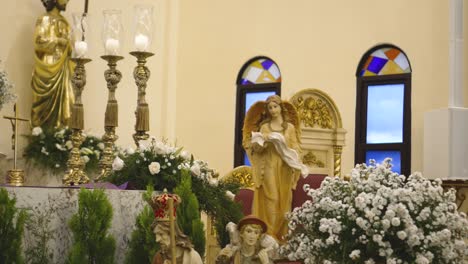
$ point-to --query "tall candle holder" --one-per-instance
(142, 41)
(75, 165)
(112, 37)
(141, 73)
(113, 77)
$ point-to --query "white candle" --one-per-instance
(141, 42)
(81, 48)
(112, 46)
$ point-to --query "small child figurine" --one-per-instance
(249, 243)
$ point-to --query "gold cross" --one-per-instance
(14, 120)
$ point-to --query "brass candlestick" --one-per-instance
(111, 120)
(15, 176)
(141, 73)
(75, 165)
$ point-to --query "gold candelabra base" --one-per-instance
(15, 177)
(75, 174)
(107, 157)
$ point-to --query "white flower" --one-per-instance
(395, 221)
(195, 169)
(85, 159)
(185, 155)
(60, 147)
(129, 150)
(355, 254)
(101, 146)
(57, 165)
(230, 195)
(69, 144)
(118, 164)
(154, 168)
(36, 131)
(44, 150)
(401, 235)
(86, 151)
(144, 145)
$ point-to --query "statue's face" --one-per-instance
(274, 109)
(162, 237)
(250, 235)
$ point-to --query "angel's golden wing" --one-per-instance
(252, 120)
(293, 118)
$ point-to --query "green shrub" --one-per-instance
(143, 242)
(92, 244)
(188, 213)
(12, 222)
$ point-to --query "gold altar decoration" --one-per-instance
(241, 175)
(461, 188)
(113, 77)
(141, 73)
(322, 130)
(75, 165)
(15, 176)
(52, 95)
(312, 160)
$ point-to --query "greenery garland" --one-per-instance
(161, 165)
(50, 149)
(12, 221)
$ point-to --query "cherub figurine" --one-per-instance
(184, 252)
(249, 243)
(271, 139)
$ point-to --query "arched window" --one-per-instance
(383, 108)
(259, 78)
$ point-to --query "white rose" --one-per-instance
(129, 150)
(101, 146)
(230, 195)
(154, 168)
(69, 144)
(185, 155)
(36, 131)
(118, 164)
(195, 169)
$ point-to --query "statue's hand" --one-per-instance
(227, 251)
(257, 147)
(263, 256)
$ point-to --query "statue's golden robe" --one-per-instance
(51, 80)
(274, 181)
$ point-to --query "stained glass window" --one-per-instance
(258, 78)
(262, 70)
(385, 61)
(383, 108)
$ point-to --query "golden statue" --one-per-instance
(271, 138)
(51, 80)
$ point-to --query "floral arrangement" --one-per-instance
(6, 87)
(161, 165)
(50, 149)
(378, 217)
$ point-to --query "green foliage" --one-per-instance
(12, 221)
(38, 226)
(50, 149)
(188, 213)
(92, 244)
(143, 243)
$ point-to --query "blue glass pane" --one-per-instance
(246, 159)
(385, 113)
(380, 155)
(252, 97)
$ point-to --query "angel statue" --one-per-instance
(174, 245)
(249, 243)
(271, 139)
(51, 79)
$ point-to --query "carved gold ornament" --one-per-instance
(313, 112)
(312, 160)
